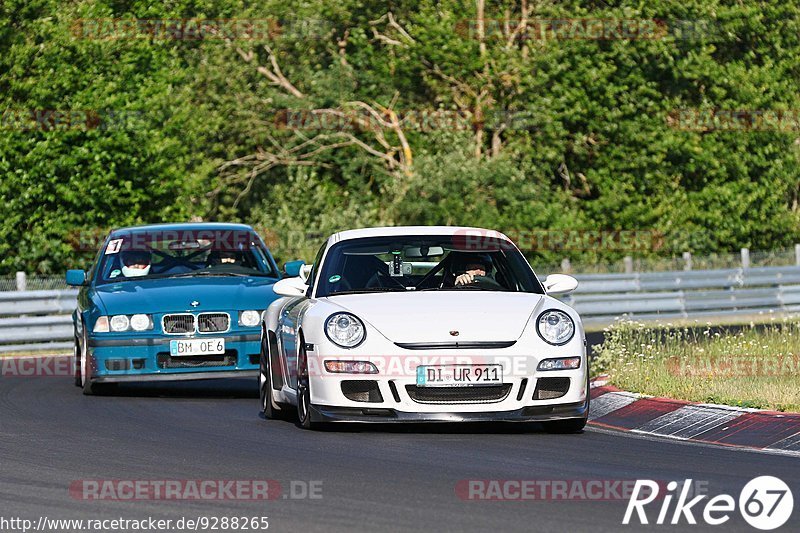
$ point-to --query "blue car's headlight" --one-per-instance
(120, 323)
(249, 318)
(555, 327)
(345, 330)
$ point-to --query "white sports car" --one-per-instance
(423, 324)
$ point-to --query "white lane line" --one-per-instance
(703, 444)
(689, 421)
(789, 444)
(608, 402)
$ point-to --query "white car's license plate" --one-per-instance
(180, 347)
(459, 375)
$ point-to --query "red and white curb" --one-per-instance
(708, 423)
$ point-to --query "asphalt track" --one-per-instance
(374, 478)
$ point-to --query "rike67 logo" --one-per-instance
(765, 503)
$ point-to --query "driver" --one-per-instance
(222, 258)
(135, 263)
(471, 267)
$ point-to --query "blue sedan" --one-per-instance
(173, 302)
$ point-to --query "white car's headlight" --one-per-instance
(555, 327)
(345, 330)
(249, 318)
(119, 323)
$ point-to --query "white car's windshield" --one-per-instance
(423, 263)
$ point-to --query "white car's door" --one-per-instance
(288, 337)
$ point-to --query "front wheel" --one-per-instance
(76, 361)
(268, 406)
(303, 390)
(571, 425)
(83, 380)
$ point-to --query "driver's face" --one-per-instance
(476, 269)
(138, 264)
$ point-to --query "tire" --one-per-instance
(268, 407)
(571, 425)
(303, 390)
(89, 388)
(76, 361)
(85, 382)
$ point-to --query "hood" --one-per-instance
(431, 316)
(176, 295)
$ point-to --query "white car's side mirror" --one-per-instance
(290, 287)
(305, 271)
(560, 284)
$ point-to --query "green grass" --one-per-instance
(758, 368)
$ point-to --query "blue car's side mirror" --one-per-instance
(76, 277)
(292, 268)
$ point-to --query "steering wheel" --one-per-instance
(481, 282)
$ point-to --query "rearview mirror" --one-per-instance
(292, 268)
(76, 278)
(423, 251)
(560, 284)
(290, 287)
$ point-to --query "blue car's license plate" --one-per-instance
(180, 347)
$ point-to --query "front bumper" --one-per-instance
(321, 413)
(129, 359)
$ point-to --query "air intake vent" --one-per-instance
(549, 388)
(362, 390)
(488, 394)
(165, 360)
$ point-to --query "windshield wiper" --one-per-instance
(367, 291)
(207, 273)
(461, 288)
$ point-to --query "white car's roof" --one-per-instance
(390, 231)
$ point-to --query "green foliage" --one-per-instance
(560, 134)
(753, 367)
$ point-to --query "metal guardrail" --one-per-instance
(695, 294)
(36, 320)
(40, 320)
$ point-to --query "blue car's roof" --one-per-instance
(183, 226)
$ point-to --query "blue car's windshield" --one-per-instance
(184, 253)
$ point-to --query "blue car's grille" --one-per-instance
(177, 324)
(212, 322)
